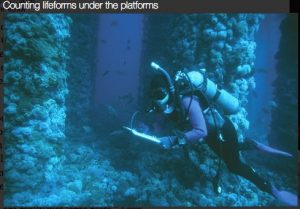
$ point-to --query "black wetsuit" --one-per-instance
(228, 149)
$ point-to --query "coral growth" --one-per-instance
(223, 44)
(34, 99)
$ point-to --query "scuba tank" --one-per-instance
(188, 82)
(196, 80)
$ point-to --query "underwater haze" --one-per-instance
(73, 81)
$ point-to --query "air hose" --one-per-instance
(169, 80)
(133, 118)
(216, 178)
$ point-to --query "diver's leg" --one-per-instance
(247, 172)
(232, 160)
(228, 150)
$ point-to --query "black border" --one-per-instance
(239, 6)
(293, 6)
(1, 107)
(182, 6)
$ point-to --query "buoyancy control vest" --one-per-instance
(211, 99)
(196, 82)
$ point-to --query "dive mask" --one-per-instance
(162, 98)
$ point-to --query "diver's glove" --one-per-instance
(168, 141)
(172, 141)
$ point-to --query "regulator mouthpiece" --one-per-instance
(155, 66)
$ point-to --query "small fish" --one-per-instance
(114, 23)
(111, 111)
(254, 94)
(105, 73)
(116, 132)
(130, 100)
(273, 104)
(260, 70)
(294, 101)
(128, 47)
(261, 120)
(121, 72)
(126, 96)
(103, 41)
(266, 110)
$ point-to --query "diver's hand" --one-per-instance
(168, 141)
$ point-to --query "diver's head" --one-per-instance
(161, 100)
(160, 95)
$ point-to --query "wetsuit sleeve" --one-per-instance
(194, 112)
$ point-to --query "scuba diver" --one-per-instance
(193, 102)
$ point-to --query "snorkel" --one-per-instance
(170, 84)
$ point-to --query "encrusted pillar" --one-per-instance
(34, 99)
(285, 109)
